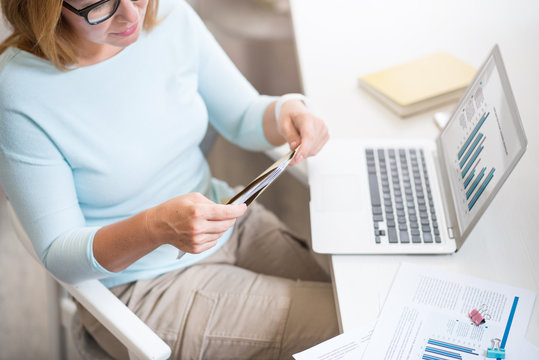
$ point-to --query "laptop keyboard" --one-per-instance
(402, 204)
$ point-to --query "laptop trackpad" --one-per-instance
(337, 193)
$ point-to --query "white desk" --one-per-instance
(339, 40)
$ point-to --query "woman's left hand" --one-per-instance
(300, 126)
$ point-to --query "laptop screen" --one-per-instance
(482, 142)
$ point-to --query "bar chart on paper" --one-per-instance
(426, 317)
(451, 339)
(443, 350)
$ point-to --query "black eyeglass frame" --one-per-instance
(84, 11)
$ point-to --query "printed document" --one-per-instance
(348, 346)
(426, 317)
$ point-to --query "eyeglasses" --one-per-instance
(96, 13)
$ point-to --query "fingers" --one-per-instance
(199, 247)
(200, 235)
(203, 208)
(290, 133)
(216, 219)
(217, 212)
(197, 222)
(299, 126)
(218, 227)
(204, 234)
(314, 135)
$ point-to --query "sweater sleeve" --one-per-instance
(39, 184)
(235, 108)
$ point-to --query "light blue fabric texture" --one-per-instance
(88, 147)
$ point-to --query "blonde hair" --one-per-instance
(38, 28)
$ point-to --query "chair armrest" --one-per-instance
(139, 339)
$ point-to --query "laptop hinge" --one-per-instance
(444, 195)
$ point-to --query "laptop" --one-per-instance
(419, 197)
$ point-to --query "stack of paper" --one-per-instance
(425, 317)
(420, 84)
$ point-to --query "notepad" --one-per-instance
(420, 84)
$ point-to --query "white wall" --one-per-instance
(4, 30)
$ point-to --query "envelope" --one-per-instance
(262, 181)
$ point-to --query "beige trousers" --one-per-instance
(261, 296)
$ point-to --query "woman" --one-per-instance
(102, 108)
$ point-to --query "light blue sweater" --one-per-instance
(91, 146)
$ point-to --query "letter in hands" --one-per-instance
(193, 223)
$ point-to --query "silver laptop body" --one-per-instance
(419, 197)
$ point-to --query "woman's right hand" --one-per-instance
(192, 222)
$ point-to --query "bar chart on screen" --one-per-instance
(481, 151)
(475, 177)
(480, 145)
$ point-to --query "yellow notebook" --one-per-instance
(420, 84)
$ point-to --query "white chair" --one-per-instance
(138, 338)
